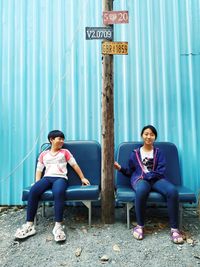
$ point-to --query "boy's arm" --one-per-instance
(39, 168)
(38, 175)
(80, 174)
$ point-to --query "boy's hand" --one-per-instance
(85, 181)
(117, 166)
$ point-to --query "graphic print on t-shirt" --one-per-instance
(148, 163)
(147, 160)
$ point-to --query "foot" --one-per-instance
(25, 231)
(59, 234)
(176, 236)
(138, 232)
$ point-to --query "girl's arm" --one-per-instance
(159, 171)
(126, 171)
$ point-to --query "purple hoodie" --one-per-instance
(136, 170)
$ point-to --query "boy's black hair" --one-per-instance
(153, 129)
(55, 133)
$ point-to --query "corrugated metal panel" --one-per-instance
(159, 81)
(50, 77)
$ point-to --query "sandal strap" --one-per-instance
(59, 232)
(25, 230)
(176, 235)
(139, 233)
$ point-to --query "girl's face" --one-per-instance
(148, 137)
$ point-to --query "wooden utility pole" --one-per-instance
(107, 173)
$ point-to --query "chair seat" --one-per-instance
(127, 194)
(73, 192)
(186, 195)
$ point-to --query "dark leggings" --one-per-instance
(164, 187)
(58, 186)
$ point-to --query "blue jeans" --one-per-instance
(165, 188)
(58, 186)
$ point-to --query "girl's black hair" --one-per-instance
(55, 133)
(153, 129)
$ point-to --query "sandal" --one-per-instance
(138, 232)
(25, 231)
(59, 234)
(176, 236)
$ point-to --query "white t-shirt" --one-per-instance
(147, 160)
(55, 164)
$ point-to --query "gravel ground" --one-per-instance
(109, 245)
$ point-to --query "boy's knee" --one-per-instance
(59, 193)
(34, 193)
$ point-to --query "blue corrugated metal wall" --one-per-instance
(50, 77)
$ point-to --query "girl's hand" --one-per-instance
(117, 166)
(85, 181)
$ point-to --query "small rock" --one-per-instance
(190, 241)
(78, 252)
(84, 231)
(49, 238)
(116, 247)
(3, 208)
(63, 264)
(104, 258)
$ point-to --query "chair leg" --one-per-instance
(88, 204)
(180, 215)
(129, 205)
(35, 220)
(43, 209)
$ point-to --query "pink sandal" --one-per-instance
(176, 236)
(138, 232)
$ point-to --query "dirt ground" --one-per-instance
(109, 245)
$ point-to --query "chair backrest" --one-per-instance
(88, 157)
(172, 161)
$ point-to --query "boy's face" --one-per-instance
(57, 142)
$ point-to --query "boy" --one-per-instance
(55, 177)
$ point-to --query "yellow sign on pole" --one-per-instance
(115, 48)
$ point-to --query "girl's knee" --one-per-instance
(141, 194)
(173, 192)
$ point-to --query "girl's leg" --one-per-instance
(142, 189)
(34, 196)
(58, 189)
(169, 191)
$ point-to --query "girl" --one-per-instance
(147, 172)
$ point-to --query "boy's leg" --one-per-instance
(34, 196)
(58, 189)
